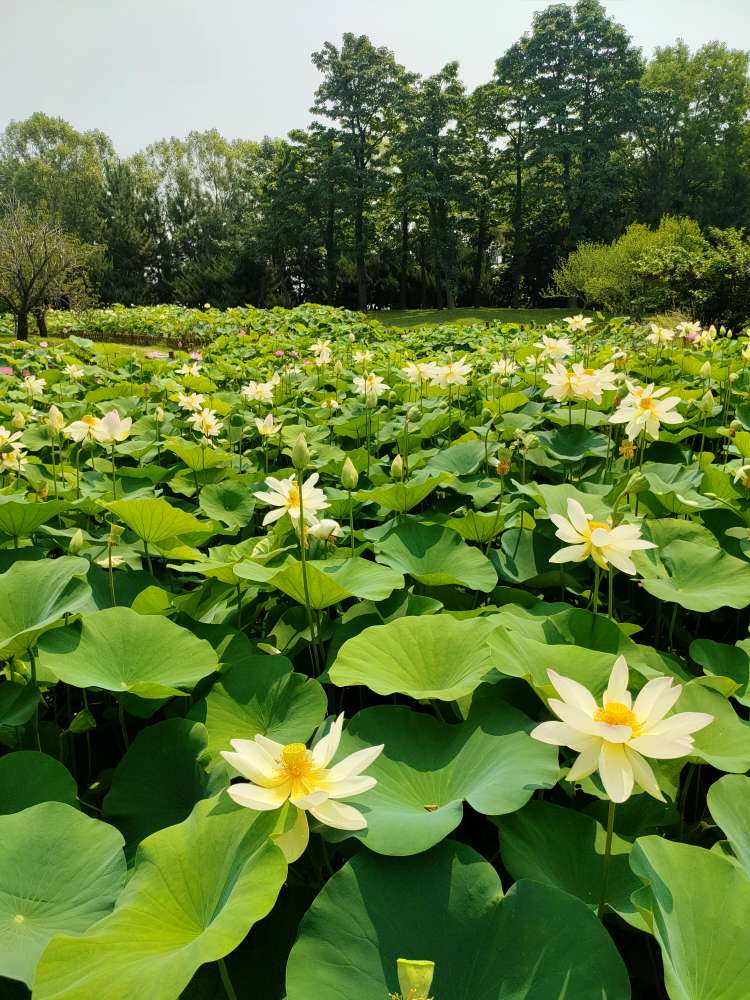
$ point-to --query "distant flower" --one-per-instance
(284, 496)
(156, 354)
(83, 429)
(74, 371)
(330, 404)
(586, 537)
(560, 383)
(554, 348)
(643, 409)
(319, 346)
(590, 383)
(504, 368)
(326, 530)
(43, 343)
(55, 419)
(6, 370)
(279, 354)
(371, 387)
(257, 392)
(279, 773)
(190, 401)
(195, 356)
(418, 372)
(363, 357)
(660, 334)
(451, 373)
(205, 422)
(33, 385)
(578, 324)
(617, 737)
(267, 427)
(189, 369)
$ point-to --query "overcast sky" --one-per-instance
(141, 70)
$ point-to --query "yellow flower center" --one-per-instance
(615, 713)
(292, 499)
(89, 420)
(296, 760)
(646, 403)
(593, 525)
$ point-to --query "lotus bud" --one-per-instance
(115, 534)
(349, 475)
(397, 468)
(19, 420)
(706, 403)
(300, 453)
(413, 415)
(158, 414)
(55, 419)
(77, 542)
(705, 369)
(414, 978)
(392, 396)
(486, 415)
(734, 376)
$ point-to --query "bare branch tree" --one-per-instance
(40, 265)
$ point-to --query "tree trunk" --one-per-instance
(41, 322)
(518, 235)
(331, 262)
(359, 254)
(478, 273)
(22, 325)
(404, 278)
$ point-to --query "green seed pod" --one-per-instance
(415, 978)
(300, 453)
(77, 542)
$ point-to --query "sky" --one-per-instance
(142, 70)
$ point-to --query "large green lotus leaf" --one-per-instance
(261, 695)
(527, 642)
(34, 596)
(403, 496)
(554, 498)
(689, 569)
(154, 520)
(721, 660)
(61, 871)
(159, 780)
(729, 803)
(28, 777)
(20, 518)
(461, 459)
(17, 703)
(700, 903)
(565, 848)
(725, 743)
(435, 556)
(572, 444)
(119, 650)
(228, 502)
(429, 769)
(196, 457)
(196, 891)
(329, 581)
(431, 656)
(447, 905)
(523, 557)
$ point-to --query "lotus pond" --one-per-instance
(340, 663)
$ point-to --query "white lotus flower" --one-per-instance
(258, 392)
(284, 495)
(267, 427)
(362, 357)
(504, 368)
(33, 385)
(554, 348)
(643, 409)
(192, 401)
(418, 372)
(561, 383)
(279, 773)
(320, 346)
(74, 371)
(189, 369)
(112, 428)
(606, 545)
(330, 404)
(660, 334)
(451, 373)
(326, 530)
(590, 383)
(206, 422)
(617, 737)
(83, 429)
(371, 387)
(578, 323)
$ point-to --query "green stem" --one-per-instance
(35, 716)
(351, 520)
(316, 664)
(607, 855)
(226, 982)
(610, 588)
(595, 595)
(114, 480)
(123, 727)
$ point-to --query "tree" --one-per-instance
(40, 265)
(361, 91)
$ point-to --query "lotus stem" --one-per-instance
(607, 855)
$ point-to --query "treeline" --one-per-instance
(409, 191)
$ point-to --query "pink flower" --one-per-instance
(307, 361)
(279, 354)
(43, 343)
(242, 334)
(691, 337)
(156, 354)
(5, 370)
(195, 356)
(293, 354)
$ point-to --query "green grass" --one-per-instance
(418, 317)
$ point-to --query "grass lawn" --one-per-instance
(418, 317)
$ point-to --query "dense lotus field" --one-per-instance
(345, 668)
